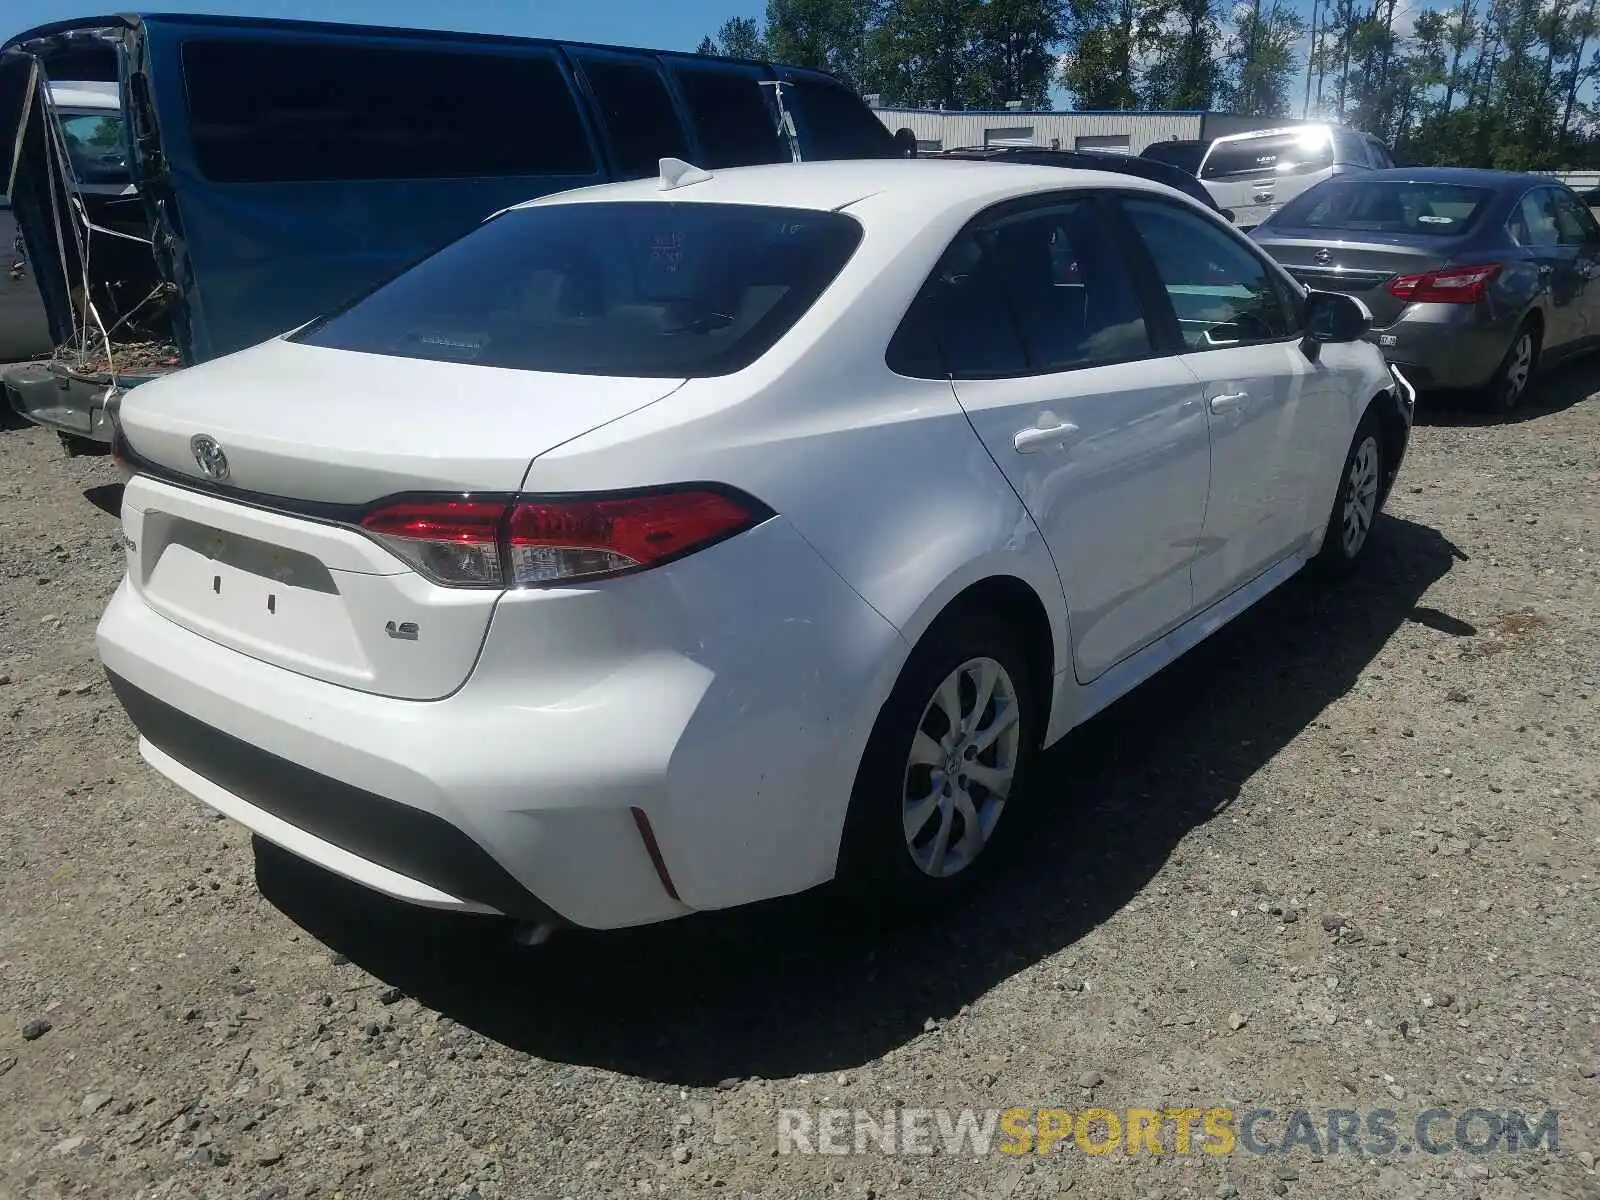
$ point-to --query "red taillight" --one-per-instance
(1451, 285)
(454, 541)
(468, 542)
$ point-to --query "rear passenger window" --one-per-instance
(1067, 287)
(292, 111)
(734, 121)
(638, 115)
(960, 324)
(1035, 293)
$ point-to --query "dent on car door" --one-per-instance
(1271, 411)
(1051, 356)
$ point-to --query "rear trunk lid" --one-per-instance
(270, 561)
(1361, 268)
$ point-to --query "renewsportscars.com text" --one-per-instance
(1367, 1133)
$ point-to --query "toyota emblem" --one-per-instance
(208, 455)
(1324, 256)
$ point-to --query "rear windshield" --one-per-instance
(1389, 206)
(1278, 154)
(1185, 156)
(643, 289)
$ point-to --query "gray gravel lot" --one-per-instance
(1345, 856)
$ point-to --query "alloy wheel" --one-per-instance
(1360, 496)
(960, 769)
(1519, 369)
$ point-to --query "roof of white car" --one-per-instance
(830, 186)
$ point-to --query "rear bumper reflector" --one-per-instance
(648, 836)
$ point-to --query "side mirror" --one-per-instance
(1228, 214)
(1334, 317)
(905, 143)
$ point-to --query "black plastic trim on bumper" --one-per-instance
(408, 840)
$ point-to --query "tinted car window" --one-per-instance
(1222, 294)
(1185, 156)
(960, 324)
(1067, 287)
(1576, 223)
(281, 111)
(735, 122)
(837, 123)
(1279, 154)
(631, 289)
(1387, 206)
(637, 113)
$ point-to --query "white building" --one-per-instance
(1127, 132)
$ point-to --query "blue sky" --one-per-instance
(662, 24)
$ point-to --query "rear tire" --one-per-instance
(1357, 502)
(1508, 387)
(937, 800)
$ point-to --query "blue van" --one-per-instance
(280, 167)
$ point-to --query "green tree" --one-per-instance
(828, 35)
(1184, 70)
(738, 37)
(1104, 39)
(1263, 59)
(1013, 53)
(923, 53)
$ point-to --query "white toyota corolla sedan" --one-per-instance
(673, 544)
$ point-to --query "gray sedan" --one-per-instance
(1475, 279)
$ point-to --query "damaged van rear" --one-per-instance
(267, 171)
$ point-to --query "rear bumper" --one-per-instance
(394, 848)
(1445, 345)
(58, 401)
(734, 727)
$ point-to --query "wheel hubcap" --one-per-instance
(959, 772)
(1360, 496)
(1521, 366)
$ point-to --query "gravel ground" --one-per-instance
(1344, 856)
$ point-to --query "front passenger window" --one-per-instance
(1221, 293)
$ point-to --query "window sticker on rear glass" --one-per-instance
(666, 251)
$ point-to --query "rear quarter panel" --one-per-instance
(883, 476)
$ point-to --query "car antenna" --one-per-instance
(675, 173)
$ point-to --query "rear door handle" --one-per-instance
(1047, 434)
(1228, 401)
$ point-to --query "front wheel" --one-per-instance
(1355, 506)
(944, 770)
